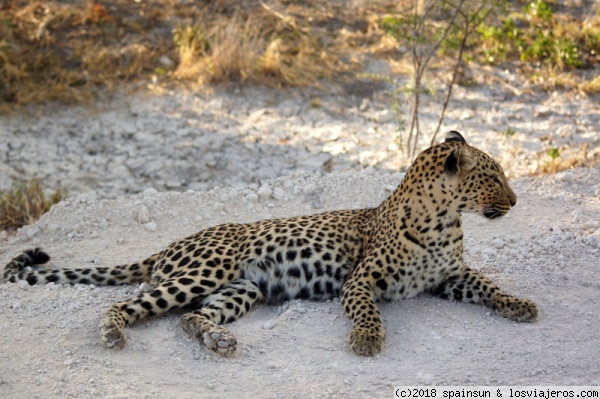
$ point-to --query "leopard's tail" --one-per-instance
(132, 273)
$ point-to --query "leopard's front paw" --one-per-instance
(517, 309)
(111, 335)
(366, 342)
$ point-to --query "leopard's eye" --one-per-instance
(495, 179)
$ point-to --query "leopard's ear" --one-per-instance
(459, 161)
(453, 135)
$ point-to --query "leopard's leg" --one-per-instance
(224, 306)
(170, 294)
(368, 334)
(470, 286)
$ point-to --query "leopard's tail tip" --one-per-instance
(35, 256)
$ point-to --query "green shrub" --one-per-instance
(538, 35)
(539, 9)
(553, 152)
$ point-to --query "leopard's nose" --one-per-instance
(512, 197)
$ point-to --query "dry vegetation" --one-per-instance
(68, 50)
(24, 203)
(65, 50)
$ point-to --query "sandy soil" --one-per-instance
(546, 249)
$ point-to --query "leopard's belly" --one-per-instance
(280, 279)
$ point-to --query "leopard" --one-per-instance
(412, 243)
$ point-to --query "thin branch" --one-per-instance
(416, 59)
(469, 28)
(420, 62)
(449, 92)
(443, 37)
(423, 51)
(414, 149)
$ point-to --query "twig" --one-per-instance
(288, 20)
(449, 92)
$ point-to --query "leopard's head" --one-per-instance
(479, 182)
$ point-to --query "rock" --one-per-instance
(151, 226)
(364, 105)
(566, 177)
(541, 112)
(279, 194)
(31, 232)
(288, 108)
(142, 215)
(466, 114)
(252, 197)
(498, 243)
(150, 192)
(166, 61)
(269, 324)
(265, 191)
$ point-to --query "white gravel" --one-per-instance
(546, 249)
(184, 140)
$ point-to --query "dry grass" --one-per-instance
(55, 51)
(25, 203)
(264, 47)
(70, 50)
(563, 159)
(591, 86)
(584, 82)
(228, 51)
(59, 50)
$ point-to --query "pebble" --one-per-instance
(265, 191)
(279, 194)
(364, 105)
(541, 112)
(143, 215)
(150, 192)
(301, 310)
(32, 232)
(489, 253)
(252, 197)
(498, 243)
(269, 324)
(566, 177)
(151, 226)
(166, 61)
(466, 114)
(52, 286)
